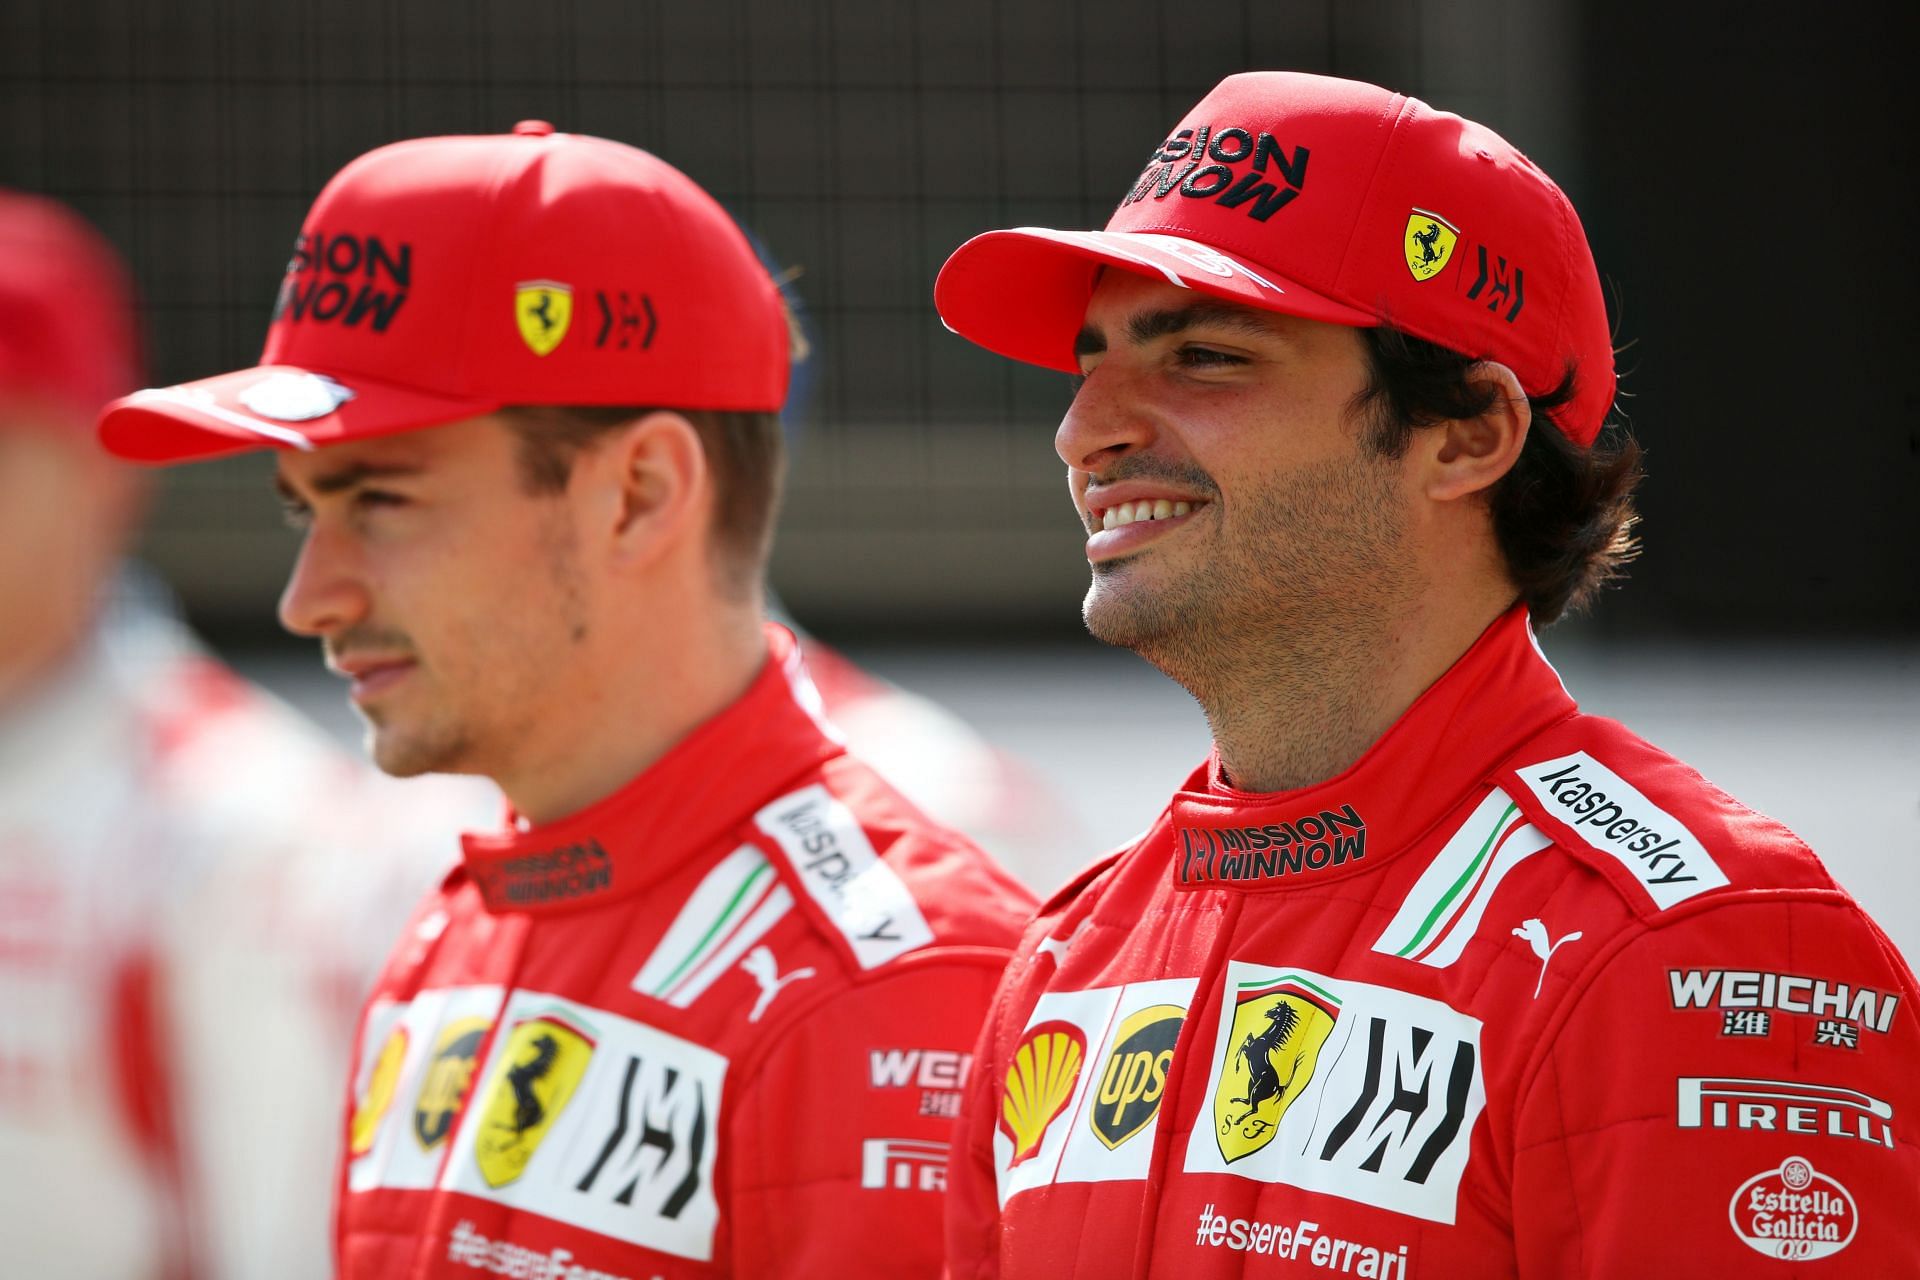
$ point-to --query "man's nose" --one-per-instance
(1106, 421)
(323, 595)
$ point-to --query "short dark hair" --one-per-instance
(1563, 516)
(743, 451)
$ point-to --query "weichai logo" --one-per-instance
(1233, 167)
(346, 279)
(1314, 842)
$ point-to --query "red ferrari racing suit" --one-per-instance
(714, 1025)
(1515, 995)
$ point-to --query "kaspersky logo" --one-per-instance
(1039, 1085)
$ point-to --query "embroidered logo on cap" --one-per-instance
(1430, 241)
(543, 309)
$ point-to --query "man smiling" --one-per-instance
(1423, 973)
(702, 1007)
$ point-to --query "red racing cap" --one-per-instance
(440, 278)
(1332, 200)
(67, 332)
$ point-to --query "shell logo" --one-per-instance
(1040, 1081)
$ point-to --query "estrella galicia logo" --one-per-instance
(1135, 1076)
(345, 279)
(449, 1072)
(1202, 163)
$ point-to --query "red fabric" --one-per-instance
(1518, 1036)
(625, 1042)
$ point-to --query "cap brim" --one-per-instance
(222, 415)
(1023, 293)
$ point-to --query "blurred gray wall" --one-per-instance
(1741, 193)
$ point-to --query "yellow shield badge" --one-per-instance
(536, 1074)
(1040, 1079)
(543, 309)
(1430, 241)
(1135, 1076)
(449, 1072)
(1278, 1028)
(378, 1096)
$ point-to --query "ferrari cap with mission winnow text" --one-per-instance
(1332, 200)
(441, 278)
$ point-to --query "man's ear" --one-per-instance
(652, 486)
(1465, 456)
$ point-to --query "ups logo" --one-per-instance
(449, 1073)
(1134, 1078)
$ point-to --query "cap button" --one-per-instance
(533, 129)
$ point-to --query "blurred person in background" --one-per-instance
(1423, 973)
(703, 1004)
(194, 883)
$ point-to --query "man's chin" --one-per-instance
(399, 756)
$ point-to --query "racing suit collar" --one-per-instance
(710, 782)
(1499, 693)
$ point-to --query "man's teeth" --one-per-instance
(1146, 509)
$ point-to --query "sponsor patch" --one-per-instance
(343, 279)
(1250, 170)
(534, 1076)
(1041, 1080)
(1242, 855)
(903, 1164)
(449, 1073)
(1794, 1213)
(1429, 243)
(1758, 989)
(1383, 1113)
(584, 1117)
(939, 1074)
(552, 875)
(1610, 814)
(1784, 1106)
(1128, 1036)
(376, 1097)
(870, 905)
(734, 906)
(1134, 1077)
(1299, 1241)
(406, 1151)
(1273, 1048)
(1442, 912)
(543, 311)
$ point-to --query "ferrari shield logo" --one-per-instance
(543, 309)
(536, 1074)
(1278, 1028)
(378, 1096)
(1430, 241)
(449, 1072)
(1134, 1078)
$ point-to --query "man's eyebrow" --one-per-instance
(1148, 325)
(346, 477)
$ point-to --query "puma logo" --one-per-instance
(765, 970)
(1535, 934)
